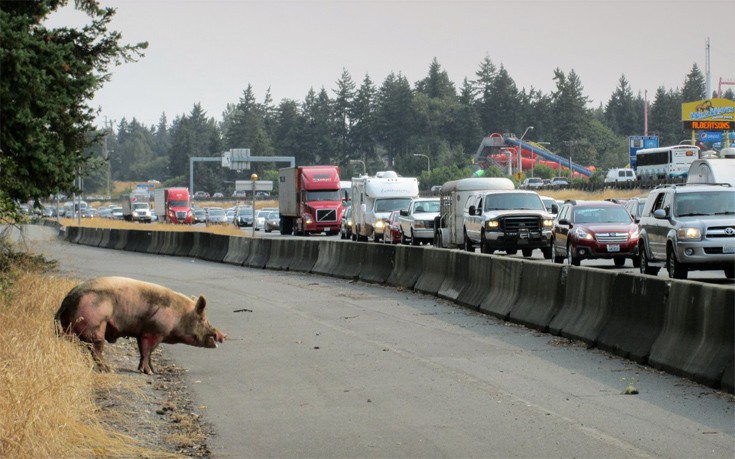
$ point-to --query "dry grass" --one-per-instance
(47, 384)
(589, 195)
(228, 230)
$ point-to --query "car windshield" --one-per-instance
(391, 204)
(323, 195)
(427, 206)
(216, 212)
(178, 203)
(601, 215)
(245, 211)
(272, 215)
(706, 203)
(141, 205)
(513, 201)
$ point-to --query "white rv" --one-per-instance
(713, 167)
(448, 232)
(374, 198)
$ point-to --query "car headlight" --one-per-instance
(307, 219)
(689, 233)
(492, 224)
(548, 223)
(379, 224)
(634, 234)
(582, 234)
(420, 224)
(349, 222)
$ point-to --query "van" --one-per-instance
(713, 168)
(622, 174)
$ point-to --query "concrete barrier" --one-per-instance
(113, 239)
(184, 243)
(458, 274)
(238, 250)
(282, 253)
(540, 296)
(305, 255)
(105, 239)
(73, 234)
(340, 259)
(96, 237)
(121, 240)
(504, 288)
(636, 316)
(214, 247)
(138, 241)
(586, 307)
(478, 281)
(697, 337)
(259, 253)
(169, 243)
(85, 236)
(407, 267)
(199, 241)
(433, 270)
(377, 264)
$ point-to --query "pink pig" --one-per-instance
(107, 308)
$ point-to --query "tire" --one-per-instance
(438, 242)
(547, 251)
(511, 251)
(674, 267)
(636, 262)
(404, 239)
(643, 262)
(730, 272)
(414, 241)
(571, 259)
(468, 244)
(619, 262)
(557, 258)
(484, 248)
(527, 252)
(376, 238)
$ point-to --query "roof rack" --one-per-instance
(677, 185)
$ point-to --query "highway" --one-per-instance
(322, 367)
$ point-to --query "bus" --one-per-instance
(665, 162)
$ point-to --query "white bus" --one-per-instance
(665, 162)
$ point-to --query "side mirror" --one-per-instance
(471, 210)
(660, 213)
(404, 213)
(554, 209)
(564, 221)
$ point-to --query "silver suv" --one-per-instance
(688, 228)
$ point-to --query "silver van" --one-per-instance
(622, 174)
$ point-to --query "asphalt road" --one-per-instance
(320, 367)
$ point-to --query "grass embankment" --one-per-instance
(593, 195)
(47, 384)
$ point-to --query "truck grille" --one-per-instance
(516, 224)
(612, 238)
(180, 215)
(326, 215)
(720, 231)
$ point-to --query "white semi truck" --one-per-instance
(137, 207)
(374, 198)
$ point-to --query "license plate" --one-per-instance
(613, 247)
(728, 249)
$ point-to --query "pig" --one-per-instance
(107, 308)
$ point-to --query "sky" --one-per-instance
(209, 51)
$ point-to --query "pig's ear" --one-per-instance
(201, 302)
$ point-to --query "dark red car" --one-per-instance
(585, 230)
(392, 229)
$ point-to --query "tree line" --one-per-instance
(386, 125)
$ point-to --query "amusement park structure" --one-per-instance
(499, 149)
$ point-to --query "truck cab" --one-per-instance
(309, 200)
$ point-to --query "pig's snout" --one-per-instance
(214, 338)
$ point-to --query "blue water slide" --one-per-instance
(510, 141)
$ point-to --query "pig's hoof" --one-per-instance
(103, 367)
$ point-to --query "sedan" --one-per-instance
(272, 221)
(216, 216)
(585, 230)
(392, 228)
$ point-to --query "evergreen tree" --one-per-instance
(437, 84)
(621, 111)
(288, 130)
(192, 135)
(395, 117)
(344, 96)
(318, 138)
(484, 88)
(48, 78)
(363, 132)
(504, 104)
(694, 86)
(665, 117)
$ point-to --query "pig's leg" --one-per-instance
(96, 336)
(147, 343)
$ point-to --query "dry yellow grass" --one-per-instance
(229, 230)
(589, 195)
(47, 384)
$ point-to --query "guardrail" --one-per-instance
(682, 327)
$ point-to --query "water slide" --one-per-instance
(493, 144)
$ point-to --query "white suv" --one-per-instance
(687, 228)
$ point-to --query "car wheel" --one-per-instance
(468, 244)
(414, 241)
(636, 262)
(730, 272)
(483, 244)
(404, 239)
(643, 264)
(511, 251)
(527, 252)
(438, 242)
(571, 259)
(619, 262)
(676, 269)
(547, 253)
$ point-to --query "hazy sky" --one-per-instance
(208, 51)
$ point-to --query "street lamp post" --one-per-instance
(428, 162)
(254, 178)
(359, 161)
(520, 165)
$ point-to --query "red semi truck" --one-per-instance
(309, 200)
(172, 205)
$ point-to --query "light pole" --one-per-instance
(254, 178)
(428, 162)
(520, 166)
(359, 161)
